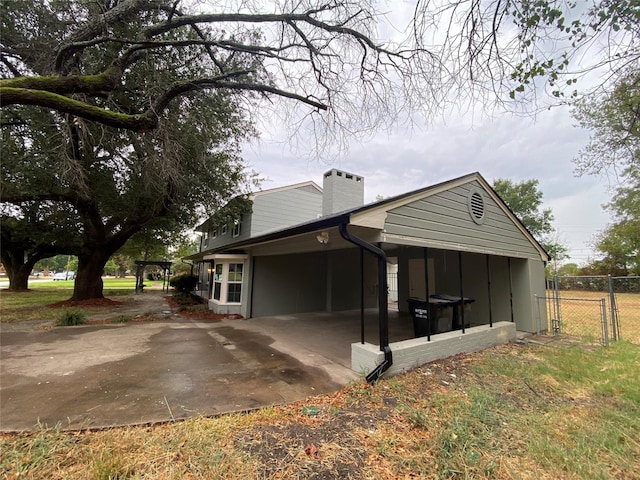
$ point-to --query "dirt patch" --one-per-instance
(125, 319)
(205, 314)
(94, 302)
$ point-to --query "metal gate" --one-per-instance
(580, 318)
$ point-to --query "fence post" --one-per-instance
(613, 309)
(605, 333)
(557, 300)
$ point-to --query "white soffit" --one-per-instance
(226, 256)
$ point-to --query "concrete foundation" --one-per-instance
(412, 353)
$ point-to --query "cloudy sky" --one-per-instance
(505, 146)
(500, 146)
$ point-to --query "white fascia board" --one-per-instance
(226, 256)
(287, 187)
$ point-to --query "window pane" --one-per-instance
(235, 272)
(216, 290)
(234, 292)
(218, 275)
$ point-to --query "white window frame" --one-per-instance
(234, 282)
(217, 279)
(223, 229)
(221, 263)
(236, 229)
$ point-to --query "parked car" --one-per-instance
(64, 276)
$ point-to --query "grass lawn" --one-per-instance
(510, 412)
(33, 304)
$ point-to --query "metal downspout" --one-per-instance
(383, 316)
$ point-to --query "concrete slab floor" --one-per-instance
(108, 375)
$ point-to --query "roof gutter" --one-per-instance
(383, 316)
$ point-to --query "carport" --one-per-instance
(456, 239)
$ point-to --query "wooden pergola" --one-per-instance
(166, 270)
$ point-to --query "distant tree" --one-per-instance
(619, 243)
(525, 200)
(568, 269)
(56, 263)
(614, 120)
(111, 267)
(30, 233)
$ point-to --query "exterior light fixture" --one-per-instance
(323, 238)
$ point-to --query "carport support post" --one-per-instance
(382, 287)
(361, 295)
(461, 290)
(489, 291)
(425, 253)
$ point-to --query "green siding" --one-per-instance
(284, 208)
(443, 219)
(289, 284)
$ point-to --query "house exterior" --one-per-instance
(309, 249)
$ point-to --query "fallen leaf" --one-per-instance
(311, 450)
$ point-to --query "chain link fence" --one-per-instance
(594, 308)
(582, 318)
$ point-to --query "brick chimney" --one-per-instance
(341, 191)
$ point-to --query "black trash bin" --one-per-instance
(458, 303)
(419, 310)
(430, 317)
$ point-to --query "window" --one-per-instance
(234, 287)
(214, 233)
(227, 275)
(217, 281)
(223, 230)
(236, 228)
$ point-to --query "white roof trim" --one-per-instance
(226, 256)
(375, 217)
(286, 187)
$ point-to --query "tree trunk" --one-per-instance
(88, 284)
(19, 277)
(17, 269)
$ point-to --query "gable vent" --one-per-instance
(476, 206)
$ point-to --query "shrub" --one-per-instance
(71, 317)
(184, 283)
(187, 299)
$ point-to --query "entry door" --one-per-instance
(417, 287)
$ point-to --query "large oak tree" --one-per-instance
(123, 111)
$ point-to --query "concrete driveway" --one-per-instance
(107, 375)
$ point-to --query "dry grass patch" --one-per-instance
(583, 318)
(526, 412)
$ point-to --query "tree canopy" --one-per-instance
(525, 200)
(619, 243)
(614, 150)
(614, 120)
(326, 55)
(79, 187)
(117, 113)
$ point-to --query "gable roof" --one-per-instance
(373, 215)
(308, 186)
